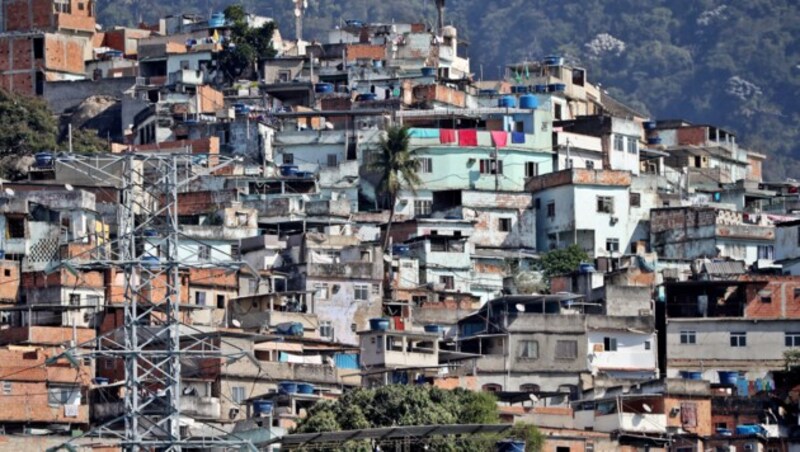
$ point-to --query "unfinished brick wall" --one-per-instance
(691, 136)
(27, 15)
(65, 54)
(9, 281)
(365, 51)
(778, 298)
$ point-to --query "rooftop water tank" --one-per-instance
(305, 388)
(262, 407)
(433, 328)
(553, 60)
(507, 102)
(428, 71)
(379, 324)
(728, 377)
(287, 387)
(217, 20)
(528, 102)
(654, 140)
(691, 375)
(43, 159)
(519, 89)
(649, 125)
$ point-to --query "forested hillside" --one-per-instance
(735, 64)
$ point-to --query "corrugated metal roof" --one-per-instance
(724, 268)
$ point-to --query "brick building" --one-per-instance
(44, 40)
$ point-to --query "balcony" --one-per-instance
(631, 422)
(352, 270)
(201, 407)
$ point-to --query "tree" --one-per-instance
(405, 405)
(26, 125)
(564, 260)
(245, 46)
(397, 168)
(85, 141)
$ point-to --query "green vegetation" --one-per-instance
(85, 141)
(397, 168)
(26, 125)
(247, 45)
(399, 405)
(564, 260)
(734, 64)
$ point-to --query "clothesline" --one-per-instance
(470, 137)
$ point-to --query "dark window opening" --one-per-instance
(38, 48)
(220, 301)
(505, 224)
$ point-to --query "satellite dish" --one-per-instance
(520, 307)
(236, 323)
(647, 408)
(533, 397)
(69, 187)
(297, 12)
(9, 192)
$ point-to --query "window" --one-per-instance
(288, 159)
(636, 200)
(531, 169)
(284, 76)
(569, 164)
(108, 364)
(647, 345)
(203, 252)
(793, 339)
(200, 298)
(610, 344)
(423, 207)
(38, 48)
(633, 145)
(376, 289)
(332, 160)
(353, 327)
(766, 299)
(605, 204)
(448, 281)
(220, 301)
(566, 349)
(558, 113)
(63, 395)
(590, 164)
(321, 291)
(528, 350)
(766, 252)
(738, 339)
(619, 143)
(688, 337)
(562, 449)
(62, 6)
(81, 6)
(529, 387)
(612, 245)
(504, 224)
(236, 249)
(490, 166)
(551, 209)
(326, 329)
(74, 299)
(6, 387)
(361, 292)
(426, 165)
(492, 387)
(7, 272)
(15, 227)
(237, 394)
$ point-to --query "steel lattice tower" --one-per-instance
(153, 340)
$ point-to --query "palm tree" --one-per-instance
(397, 167)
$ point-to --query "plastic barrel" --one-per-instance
(379, 324)
(262, 407)
(528, 102)
(287, 387)
(649, 125)
(654, 140)
(433, 328)
(507, 102)
(43, 159)
(691, 375)
(323, 88)
(510, 446)
(728, 377)
(428, 71)
(305, 388)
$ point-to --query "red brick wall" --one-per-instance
(691, 135)
(26, 15)
(365, 51)
(64, 53)
(783, 303)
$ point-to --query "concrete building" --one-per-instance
(787, 247)
(562, 201)
(710, 232)
(620, 137)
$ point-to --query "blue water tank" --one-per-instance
(510, 445)
(217, 20)
(401, 250)
(241, 109)
(519, 89)
(487, 92)
(528, 102)
(649, 125)
(540, 88)
(289, 170)
(507, 102)
(262, 407)
(553, 60)
(428, 71)
(691, 375)
(654, 140)
(433, 329)
(749, 429)
(379, 324)
(323, 88)
(101, 381)
(44, 159)
(287, 387)
(728, 377)
(586, 268)
(305, 388)
(366, 97)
